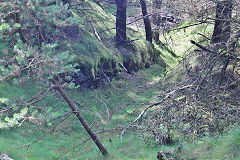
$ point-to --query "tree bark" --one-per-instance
(231, 49)
(99, 3)
(156, 7)
(81, 119)
(121, 35)
(146, 21)
(222, 27)
(17, 19)
(222, 30)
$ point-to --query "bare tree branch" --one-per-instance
(167, 95)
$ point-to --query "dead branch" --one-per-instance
(96, 33)
(38, 97)
(74, 147)
(84, 141)
(203, 48)
(191, 25)
(58, 87)
(45, 134)
(167, 95)
(107, 110)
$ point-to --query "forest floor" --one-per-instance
(122, 96)
(127, 93)
(51, 133)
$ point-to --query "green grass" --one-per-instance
(12, 140)
(127, 91)
(54, 145)
(179, 41)
(221, 148)
(130, 92)
(123, 95)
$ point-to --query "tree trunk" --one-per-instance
(82, 120)
(121, 36)
(222, 30)
(17, 19)
(231, 49)
(99, 3)
(146, 20)
(222, 27)
(156, 7)
(156, 16)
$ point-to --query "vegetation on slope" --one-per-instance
(222, 147)
(122, 96)
(187, 104)
(81, 37)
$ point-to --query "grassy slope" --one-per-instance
(90, 52)
(129, 91)
(94, 52)
(221, 148)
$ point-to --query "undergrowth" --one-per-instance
(121, 96)
(221, 148)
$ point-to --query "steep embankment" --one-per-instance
(98, 57)
(85, 32)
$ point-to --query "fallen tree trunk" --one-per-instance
(80, 117)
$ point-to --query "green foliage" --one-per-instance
(51, 30)
(31, 53)
(29, 63)
(4, 27)
(12, 121)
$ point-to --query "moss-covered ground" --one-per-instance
(96, 47)
(122, 96)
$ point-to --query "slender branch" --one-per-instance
(73, 148)
(137, 19)
(204, 36)
(96, 33)
(210, 51)
(107, 110)
(41, 34)
(203, 48)
(167, 95)
(84, 141)
(191, 25)
(44, 135)
(39, 97)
